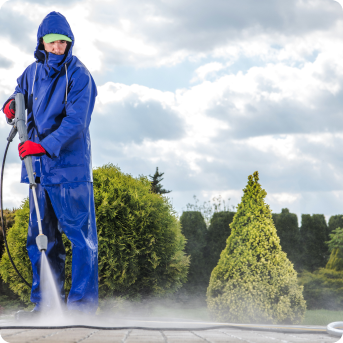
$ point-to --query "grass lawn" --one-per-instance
(322, 317)
(312, 317)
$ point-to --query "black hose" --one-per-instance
(2, 215)
(214, 327)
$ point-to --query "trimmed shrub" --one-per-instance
(16, 240)
(6, 295)
(254, 281)
(314, 234)
(287, 229)
(218, 232)
(8, 222)
(194, 229)
(141, 247)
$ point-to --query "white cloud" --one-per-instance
(209, 68)
(283, 146)
(14, 192)
(20, 60)
(114, 92)
(283, 199)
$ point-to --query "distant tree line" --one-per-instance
(204, 245)
(305, 245)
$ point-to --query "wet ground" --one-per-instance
(166, 331)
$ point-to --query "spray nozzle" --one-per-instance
(42, 242)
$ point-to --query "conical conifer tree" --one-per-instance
(254, 282)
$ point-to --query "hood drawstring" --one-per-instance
(34, 78)
(66, 97)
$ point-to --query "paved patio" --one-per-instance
(164, 330)
(145, 336)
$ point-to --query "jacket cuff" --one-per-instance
(51, 146)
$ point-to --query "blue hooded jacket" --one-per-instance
(59, 95)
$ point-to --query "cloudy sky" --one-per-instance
(208, 91)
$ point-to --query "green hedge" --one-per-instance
(287, 229)
(8, 223)
(16, 240)
(218, 232)
(314, 234)
(5, 293)
(194, 229)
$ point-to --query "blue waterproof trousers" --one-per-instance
(67, 207)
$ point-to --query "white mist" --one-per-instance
(51, 298)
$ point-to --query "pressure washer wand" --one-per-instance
(19, 125)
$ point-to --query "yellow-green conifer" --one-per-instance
(336, 248)
(254, 282)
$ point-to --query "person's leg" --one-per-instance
(74, 207)
(55, 252)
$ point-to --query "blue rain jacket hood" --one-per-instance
(54, 22)
(59, 95)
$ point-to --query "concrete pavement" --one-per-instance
(164, 330)
(146, 336)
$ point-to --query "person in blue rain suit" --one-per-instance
(59, 95)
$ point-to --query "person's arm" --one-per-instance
(81, 99)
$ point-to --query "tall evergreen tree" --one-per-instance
(156, 187)
(314, 234)
(218, 232)
(287, 229)
(194, 229)
(254, 281)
